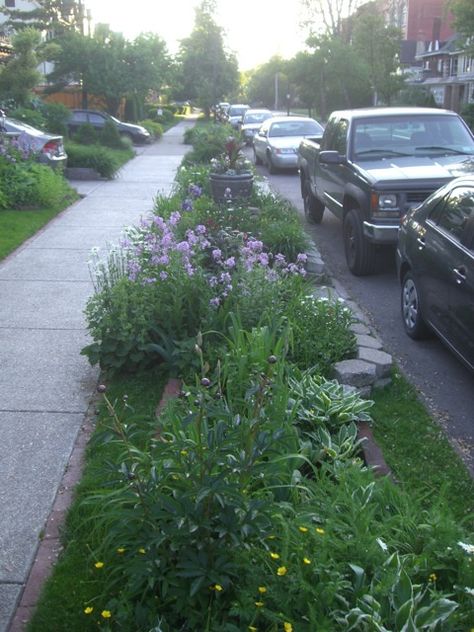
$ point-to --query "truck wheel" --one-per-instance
(413, 321)
(313, 208)
(257, 160)
(360, 253)
(270, 166)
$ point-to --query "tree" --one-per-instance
(20, 74)
(268, 83)
(207, 71)
(463, 11)
(339, 77)
(109, 66)
(330, 14)
(50, 15)
(378, 45)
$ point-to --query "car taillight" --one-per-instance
(51, 147)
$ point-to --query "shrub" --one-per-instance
(105, 161)
(32, 117)
(110, 137)
(86, 135)
(56, 116)
(468, 115)
(208, 142)
(155, 128)
(30, 185)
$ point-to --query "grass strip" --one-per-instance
(75, 582)
(418, 450)
(16, 226)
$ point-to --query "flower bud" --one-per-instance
(272, 359)
(101, 388)
(205, 382)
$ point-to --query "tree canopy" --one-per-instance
(109, 66)
(206, 71)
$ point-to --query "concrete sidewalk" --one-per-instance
(45, 384)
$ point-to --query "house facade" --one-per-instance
(431, 54)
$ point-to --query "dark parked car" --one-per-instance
(49, 147)
(435, 260)
(136, 133)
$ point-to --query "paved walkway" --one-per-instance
(45, 384)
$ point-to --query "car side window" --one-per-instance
(80, 117)
(457, 210)
(96, 118)
(340, 137)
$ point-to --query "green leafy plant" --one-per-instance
(105, 161)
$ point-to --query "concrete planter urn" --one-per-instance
(226, 187)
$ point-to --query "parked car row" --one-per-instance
(403, 177)
(50, 147)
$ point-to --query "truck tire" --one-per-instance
(313, 208)
(412, 317)
(360, 253)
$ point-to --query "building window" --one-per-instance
(454, 67)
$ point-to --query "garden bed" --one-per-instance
(246, 506)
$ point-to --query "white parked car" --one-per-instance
(252, 122)
(277, 141)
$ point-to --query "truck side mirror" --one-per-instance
(331, 157)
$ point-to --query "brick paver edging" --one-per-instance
(50, 545)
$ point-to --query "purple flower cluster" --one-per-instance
(251, 257)
(154, 250)
(18, 149)
(194, 192)
(155, 254)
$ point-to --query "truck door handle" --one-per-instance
(421, 243)
(460, 274)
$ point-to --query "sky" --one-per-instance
(254, 29)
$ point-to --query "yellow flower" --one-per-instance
(282, 570)
(287, 627)
(99, 564)
(106, 614)
(184, 452)
(218, 587)
(306, 560)
(259, 604)
(432, 577)
(320, 531)
(121, 550)
(142, 550)
(274, 556)
(262, 590)
(271, 537)
(252, 628)
(88, 610)
(303, 529)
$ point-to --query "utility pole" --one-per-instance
(276, 91)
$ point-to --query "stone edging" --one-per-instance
(372, 366)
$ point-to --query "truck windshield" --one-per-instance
(421, 135)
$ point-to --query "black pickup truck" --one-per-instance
(372, 165)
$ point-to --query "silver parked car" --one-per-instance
(277, 141)
(235, 114)
(49, 147)
(252, 122)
